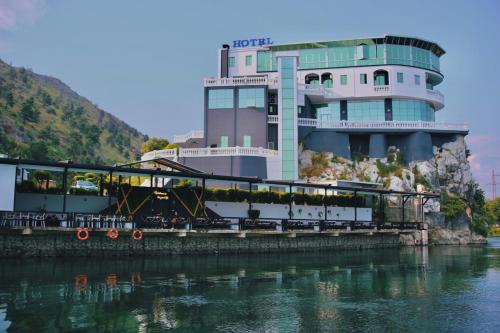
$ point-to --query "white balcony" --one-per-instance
(165, 153)
(227, 151)
(384, 125)
(240, 81)
(197, 134)
(435, 95)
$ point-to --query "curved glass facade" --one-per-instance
(374, 110)
(411, 110)
(349, 56)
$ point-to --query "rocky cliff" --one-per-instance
(448, 171)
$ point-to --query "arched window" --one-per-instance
(312, 78)
(327, 80)
(380, 78)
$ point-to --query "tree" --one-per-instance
(37, 150)
(28, 111)
(154, 144)
(493, 208)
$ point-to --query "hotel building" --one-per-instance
(344, 96)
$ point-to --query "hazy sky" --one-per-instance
(144, 61)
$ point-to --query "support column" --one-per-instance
(65, 188)
(378, 146)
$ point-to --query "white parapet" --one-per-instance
(240, 81)
(227, 151)
(397, 125)
(165, 153)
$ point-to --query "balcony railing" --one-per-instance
(197, 134)
(382, 89)
(165, 153)
(436, 94)
(227, 151)
(240, 81)
(409, 125)
(272, 119)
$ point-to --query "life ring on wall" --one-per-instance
(137, 235)
(82, 234)
(81, 281)
(113, 233)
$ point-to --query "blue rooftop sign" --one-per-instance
(252, 42)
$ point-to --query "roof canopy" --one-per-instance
(387, 39)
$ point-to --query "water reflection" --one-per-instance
(411, 289)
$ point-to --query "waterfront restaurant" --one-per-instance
(175, 197)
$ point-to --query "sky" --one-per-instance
(144, 61)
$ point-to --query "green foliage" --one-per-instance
(482, 218)
(493, 208)
(385, 170)
(358, 157)
(336, 159)
(29, 112)
(154, 144)
(451, 207)
(319, 163)
(71, 127)
(420, 179)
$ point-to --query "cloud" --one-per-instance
(485, 157)
(14, 13)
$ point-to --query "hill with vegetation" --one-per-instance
(42, 118)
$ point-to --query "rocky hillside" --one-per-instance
(448, 173)
(42, 118)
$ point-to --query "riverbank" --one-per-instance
(63, 242)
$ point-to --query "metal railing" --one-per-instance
(227, 151)
(196, 134)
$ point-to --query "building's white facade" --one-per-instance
(338, 96)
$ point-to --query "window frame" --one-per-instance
(400, 77)
(343, 80)
(247, 58)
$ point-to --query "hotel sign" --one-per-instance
(252, 42)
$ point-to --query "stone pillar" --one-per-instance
(378, 145)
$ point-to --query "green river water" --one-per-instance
(439, 289)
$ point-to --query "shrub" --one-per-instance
(385, 170)
(451, 207)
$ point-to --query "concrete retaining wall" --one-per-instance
(64, 243)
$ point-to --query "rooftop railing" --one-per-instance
(197, 134)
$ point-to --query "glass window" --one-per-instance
(248, 60)
(371, 55)
(342, 56)
(251, 97)
(220, 99)
(266, 61)
(343, 80)
(224, 141)
(398, 54)
(313, 58)
(370, 110)
(363, 78)
(328, 112)
(412, 110)
(400, 77)
(232, 61)
(247, 141)
(417, 80)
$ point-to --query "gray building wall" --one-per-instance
(253, 166)
(328, 141)
(235, 123)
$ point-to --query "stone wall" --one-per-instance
(154, 243)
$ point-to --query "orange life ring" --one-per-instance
(113, 233)
(137, 235)
(82, 234)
